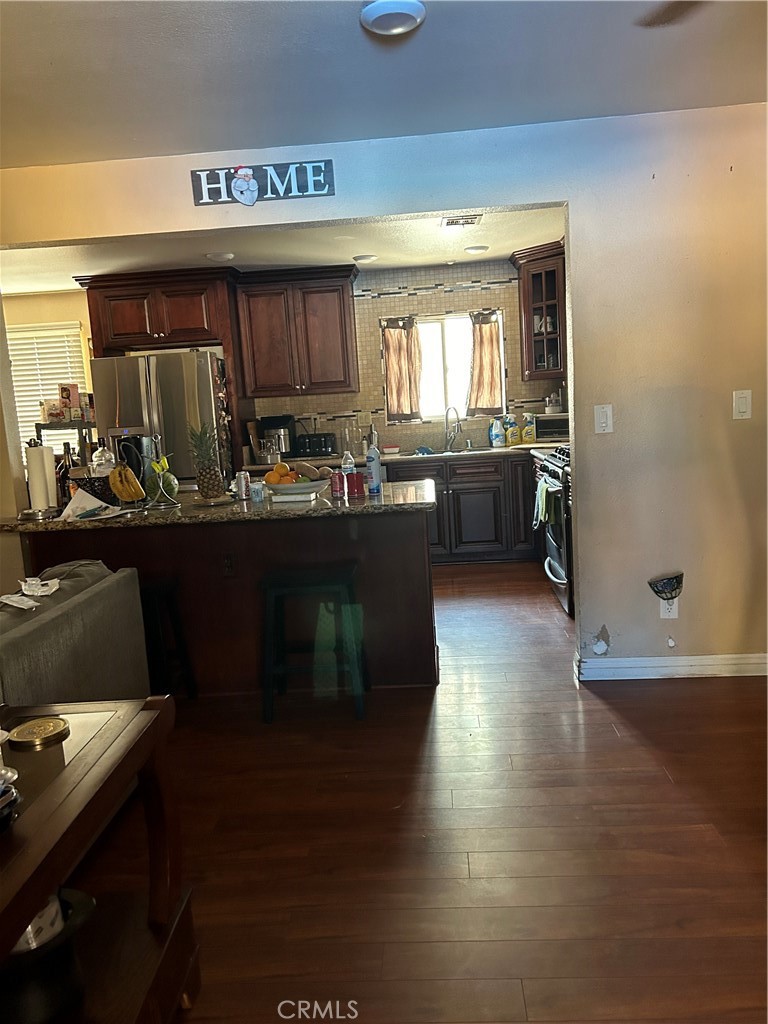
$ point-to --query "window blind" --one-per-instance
(42, 357)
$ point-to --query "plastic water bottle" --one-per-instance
(373, 469)
(347, 463)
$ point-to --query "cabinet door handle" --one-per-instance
(154, 335)
(161, 334)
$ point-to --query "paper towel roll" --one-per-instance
(41, 470)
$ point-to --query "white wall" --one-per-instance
(666, 256)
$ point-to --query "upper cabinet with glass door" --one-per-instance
(542, 309)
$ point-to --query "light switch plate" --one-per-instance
(742, 405)
(603, 419)
(667, 609)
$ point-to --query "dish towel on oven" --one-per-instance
(545, 508)
(540, 509)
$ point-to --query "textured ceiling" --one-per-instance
(101, 81)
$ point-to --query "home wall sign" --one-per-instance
(253, 183)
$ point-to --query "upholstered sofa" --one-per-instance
(83, 643)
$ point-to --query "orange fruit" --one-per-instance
(284, 480)
(272, 477)
(282, 469)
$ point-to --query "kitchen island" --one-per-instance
(217, 556)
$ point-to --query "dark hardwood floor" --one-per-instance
(508, 848)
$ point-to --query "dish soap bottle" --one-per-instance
(373, 464)
(513, 436)
(529, 429)
(496, 433)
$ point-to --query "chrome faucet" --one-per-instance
(451, 435)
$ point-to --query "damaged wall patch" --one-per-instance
(602, 641)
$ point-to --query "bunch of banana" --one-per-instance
(125, 484)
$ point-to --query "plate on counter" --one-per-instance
(296, 492)
(223, 499)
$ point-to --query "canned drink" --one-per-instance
(355, 485)
(337, 484)
(243, 483)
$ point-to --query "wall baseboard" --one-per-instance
(587, 669)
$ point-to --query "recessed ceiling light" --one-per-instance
(473, 250)
(449, 263)
(392, 17)
(219, 257)
(365, 258)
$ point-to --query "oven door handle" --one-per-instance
(554, 579)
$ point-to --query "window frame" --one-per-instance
(441, 318)
(30, 347)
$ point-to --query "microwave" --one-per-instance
(552, 427)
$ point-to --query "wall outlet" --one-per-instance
(667, 609)
(603, 419)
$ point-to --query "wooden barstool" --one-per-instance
(332, 583)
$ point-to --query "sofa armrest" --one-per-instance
(91, 647)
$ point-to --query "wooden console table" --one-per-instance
(139, 954)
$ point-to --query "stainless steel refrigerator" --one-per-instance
(136, 397)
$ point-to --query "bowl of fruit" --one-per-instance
(300, 482)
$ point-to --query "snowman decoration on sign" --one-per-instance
(244, 188)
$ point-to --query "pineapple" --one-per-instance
(203, 449)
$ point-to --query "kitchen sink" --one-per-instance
(442, 455)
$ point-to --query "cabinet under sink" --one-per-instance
(484, 505)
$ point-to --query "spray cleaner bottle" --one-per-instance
(529, 429)
(513, 435)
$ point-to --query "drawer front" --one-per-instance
(416, 469)
(472, 470)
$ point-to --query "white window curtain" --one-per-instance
(42, 357)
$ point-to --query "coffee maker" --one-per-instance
(281, 431)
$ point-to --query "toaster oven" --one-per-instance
(552, 427)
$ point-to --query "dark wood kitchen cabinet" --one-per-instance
(161, 310)
(437, 520)
(484, 506)
(476, 505)
(521, 491)
(298, 332)
(542, 310)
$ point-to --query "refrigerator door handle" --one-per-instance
(155, 418)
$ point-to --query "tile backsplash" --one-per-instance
(425, 291)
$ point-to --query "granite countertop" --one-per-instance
(414, 496)
(464, 453)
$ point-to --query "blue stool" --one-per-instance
(330, 583)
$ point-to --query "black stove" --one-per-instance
(552, 470)
(561, 456)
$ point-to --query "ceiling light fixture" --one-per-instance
(365, 258)
(219, 257)
(392, 17)
(474, 250)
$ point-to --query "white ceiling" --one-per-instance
(92, 81)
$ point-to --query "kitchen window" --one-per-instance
(446, 347)
(42, 357)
